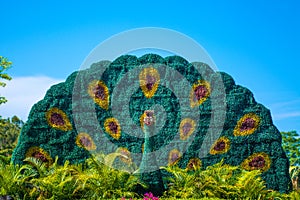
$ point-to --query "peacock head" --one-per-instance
(149, 118)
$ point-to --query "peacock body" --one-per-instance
(201, 117)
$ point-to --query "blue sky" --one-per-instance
(256, 42)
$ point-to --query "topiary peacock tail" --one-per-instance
(101, 109)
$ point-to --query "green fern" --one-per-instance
(91, 180)
(218, 181)
(94, 179)
(295, 174)
(294, 195)
(14, 181)
(251, 185)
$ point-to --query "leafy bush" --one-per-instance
(291, 145)
(96, 179)
(217, 181)
(9, 132)
(90, 180)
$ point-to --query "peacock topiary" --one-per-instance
(201, 117)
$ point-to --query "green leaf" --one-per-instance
(5, 76)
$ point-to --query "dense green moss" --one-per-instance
(251, 139)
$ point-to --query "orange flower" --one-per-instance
(194, 164)
(222, 145)
(99, 92)
(85, 141)
(58, 119)
(247, 125)
(186, 129)
(257, 161)
(39, 153)
(112, 127)
(199, 93)
(174, 157)
(149, 81)
(126, 157)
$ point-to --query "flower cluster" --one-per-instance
(149, 81)
(58, 119)
(247, 125)
(125, 155)
(186, 129)
(150, 196)
(199, 93)
(174, 157)
(99, 92)
(194, 164)
(112, 127)
(39, 153)
(147, 196)
(257, 161)
(85, 141)
(222, 145)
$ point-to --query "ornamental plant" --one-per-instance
(77, 117)
(218, 181)
(150, 196)
(93, 179)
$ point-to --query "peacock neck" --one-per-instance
(149, 168)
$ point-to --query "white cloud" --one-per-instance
(286, 115)
(284, 110)
(286, 104)
(22, 93)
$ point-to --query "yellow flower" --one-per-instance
(99, 92)
(39, 153)
(126, 157)
(247, 125)
(186, 129)
(112, 127)
(194, 164)
(85, 141)
(222, 145)
(149, 81)
(199, 93)
(174, 157)
(58, 119)
(257, 161)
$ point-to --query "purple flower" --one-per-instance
(150, 196)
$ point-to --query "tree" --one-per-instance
(4, 65)
(291, 145)
(9, 132)
(9, 129)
